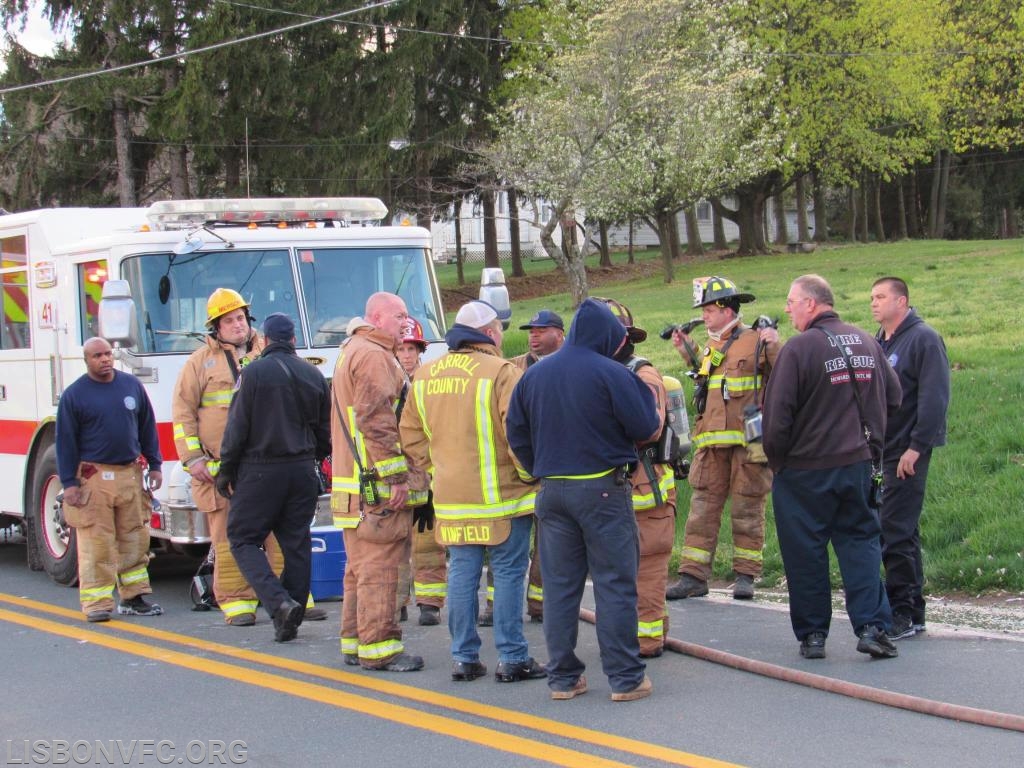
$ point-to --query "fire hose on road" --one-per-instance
(845, 688)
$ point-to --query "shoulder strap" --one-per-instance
(636, 363)
(231, 364)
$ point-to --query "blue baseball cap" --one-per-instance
(544, 319)
(278, 327)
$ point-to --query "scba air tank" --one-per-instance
(678, 419)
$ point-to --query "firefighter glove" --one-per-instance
(423, 517)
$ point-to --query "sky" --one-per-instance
(37, 36)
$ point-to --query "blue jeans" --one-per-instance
(508, 564)
(589, 525)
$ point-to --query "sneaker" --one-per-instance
(315, 614)
(813, 646)
(578, 689)
(902, 626)
(919, 626)
(241, 620)
(137, 606)
(486, 617)
(642, 691)
(430, 616)
(403, 662)
(465, 671)
(743, 589)
(94, 617)
(687, 586)
(514, 671)
(876, 643)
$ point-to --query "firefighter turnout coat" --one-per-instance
(454, 424)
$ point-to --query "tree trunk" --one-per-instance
(901, 209)
(675, 240)
(718, 227)
(606, 257)
(233, 172)
(632, 258)
(864, 208)
(458, 241)
(820, 212)
(800, 192)
(940, 220)
(566, 257)
(914, 209)
(933, 204)
(491, 258)
(513, 233)
(851, 214)
(779, 209)
(694, 242)
(665, 235)
(123, 147)
(876, 188)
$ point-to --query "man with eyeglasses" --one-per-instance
(730, 373)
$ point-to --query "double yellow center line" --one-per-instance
(413, 718)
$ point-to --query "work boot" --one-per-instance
(403, 615)
(875, 642)
(315, 614)
(137, 606)
(287, 618)
(687, 586)
(430, 615)
(241, 620)
(743, 589)
(486, 617)
(642, 691)
(514, 671)
(578, 689)
(536, 618)
(350, 659)
(94, 617)
(403, 662)
(464, 671)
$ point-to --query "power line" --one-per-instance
(194, 51)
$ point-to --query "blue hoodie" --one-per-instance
(580, 412)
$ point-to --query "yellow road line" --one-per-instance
(408, 692)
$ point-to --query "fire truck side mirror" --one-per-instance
(117, 314)
(494, 291)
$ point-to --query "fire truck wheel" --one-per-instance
(52, 538)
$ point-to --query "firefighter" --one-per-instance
(547, 334)
(199, 412)
(373, 490)
(731, 371)
(654, 503)
(104, 423)
(429, 567)
(454, 426)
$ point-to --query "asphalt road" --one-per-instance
(185, 689)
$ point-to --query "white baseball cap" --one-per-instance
(476, 314)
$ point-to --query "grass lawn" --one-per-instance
(970, 291)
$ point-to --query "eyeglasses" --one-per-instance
(791, 302)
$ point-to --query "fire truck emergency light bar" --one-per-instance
(182, 214)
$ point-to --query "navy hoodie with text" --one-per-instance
(579, 411)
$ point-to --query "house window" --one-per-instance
(703, 211)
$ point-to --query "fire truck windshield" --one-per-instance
(322, 288)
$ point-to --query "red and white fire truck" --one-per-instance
(316, 260)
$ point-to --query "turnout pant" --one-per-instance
(901, 537)
(376, 550)
(588, 525)
(429, 569)
(657, 531)
(280, 499)
(719, 474)
(816, 506)
(112, 534)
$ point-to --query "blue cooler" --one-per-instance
(328, 572)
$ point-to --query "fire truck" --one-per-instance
(314, 259)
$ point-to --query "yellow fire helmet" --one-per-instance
(222, 301)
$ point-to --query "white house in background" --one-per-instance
(533, 215)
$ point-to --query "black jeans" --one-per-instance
(279, 499)
(901, 538)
